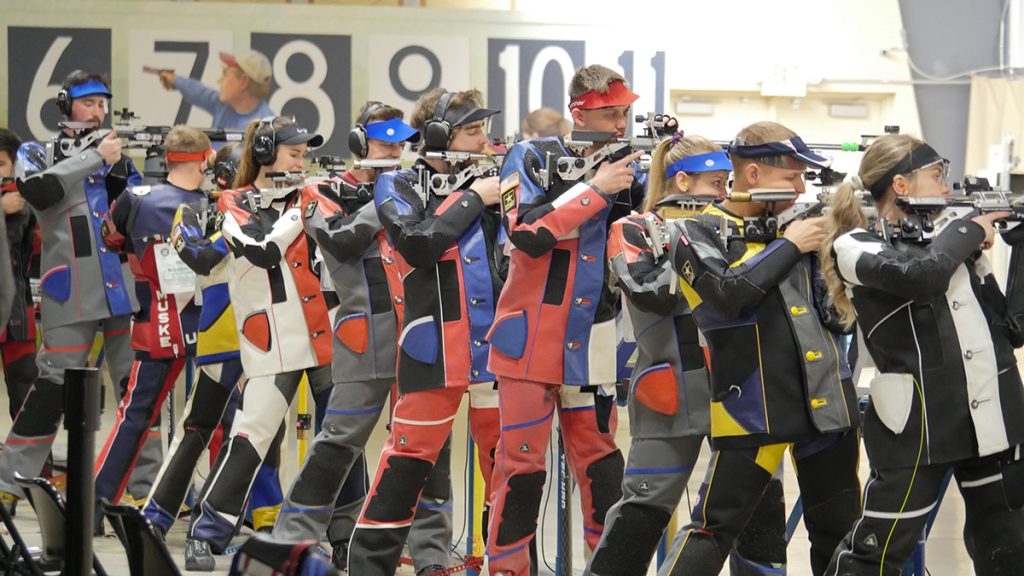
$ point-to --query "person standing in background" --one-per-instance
(18, 335)
(244, 87)
(544, 122)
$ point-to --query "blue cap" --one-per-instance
(708, 162)
(393, 130)
(88, 89)
(794, 147)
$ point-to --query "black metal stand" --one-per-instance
(82, 389)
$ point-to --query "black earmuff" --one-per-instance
(64, 103)
(437, 132)
(358, 143)
(264, 147)
(64, 97)
(224, 171)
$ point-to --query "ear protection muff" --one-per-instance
(64, 97)
(224, 172)
(437, 132)
(64, 102)
(357, 139)
(264, 147)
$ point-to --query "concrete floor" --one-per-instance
(946, 553)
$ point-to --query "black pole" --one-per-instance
(82, 391)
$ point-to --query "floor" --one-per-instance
(946, 555)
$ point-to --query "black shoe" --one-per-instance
(339, 555)
(430, 570)
(198, 556)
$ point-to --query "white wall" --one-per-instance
(728, 52)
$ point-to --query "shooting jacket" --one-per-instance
(556, 318)
(197, 237)
(21, 226)
(777, 374)
(363, 271)
(669, 390)
(280, 310)
(140, 223)
(447, 249)
(82, 279)
(942, 335)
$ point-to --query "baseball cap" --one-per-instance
(295, 134)
(254, 64)
(467, 114)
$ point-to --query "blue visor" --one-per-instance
(88, 89)
(794, 147)
(393, 130)
(708, 162)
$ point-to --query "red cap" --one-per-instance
(189, 156)
(616, 95)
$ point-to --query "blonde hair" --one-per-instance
(845, 212)
(594, 77)
(248, 168)
(545, 122)
(185, 139)
(668, 152)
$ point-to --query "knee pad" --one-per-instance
(322, 473)
(832, 518)
(230, 490)
(522, 503)
(41, 413)
(179, 472)
(605, 484)
(631, 541)
(398, 490)
(439, 480)
(763, 539)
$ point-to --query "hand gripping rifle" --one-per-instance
(926, 217)
(576, 167)
(134, 135)
(444, 184)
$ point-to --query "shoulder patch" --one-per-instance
(688, 273)
(508, 191)
(141, 190)
(179, 243)
(310, 209)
